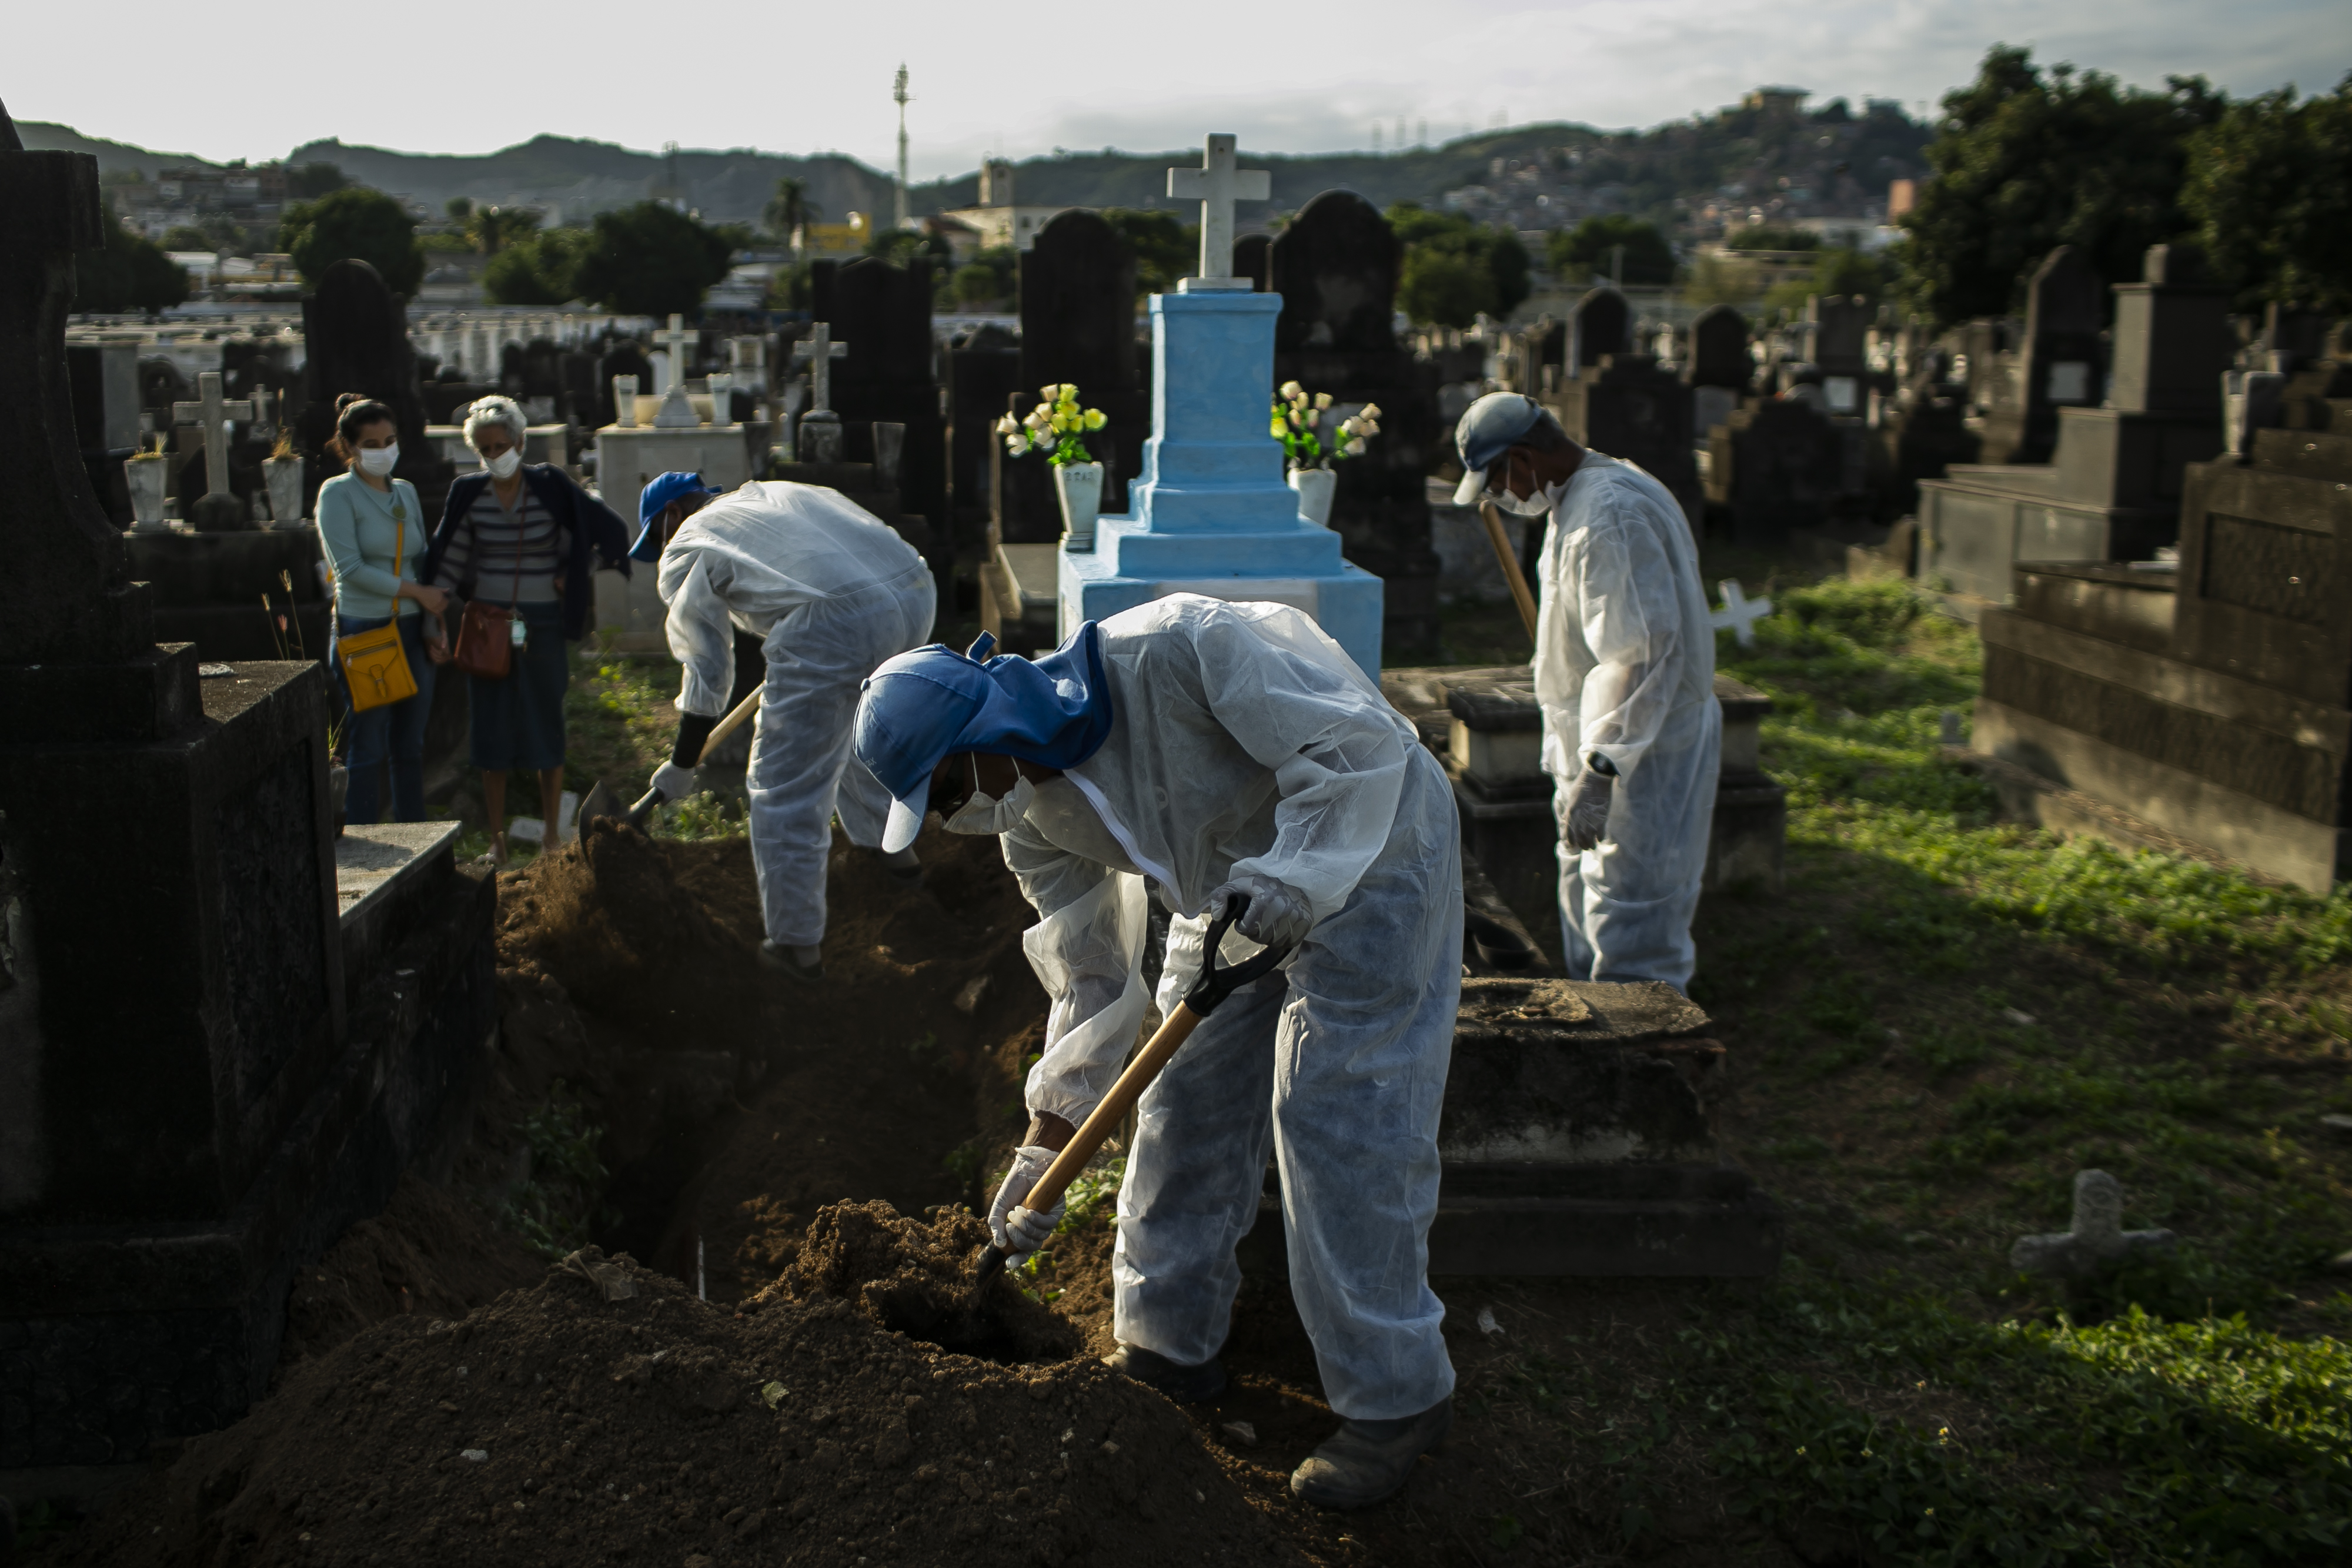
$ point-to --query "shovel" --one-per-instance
(603, 802)
(1214, 987)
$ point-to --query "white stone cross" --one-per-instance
(2097, 1239)
(1217, 184)
(820, 351)
(675, 341)
(1740, 612)
(211, 413)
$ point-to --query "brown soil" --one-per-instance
(429, 1253)
(555, 1427)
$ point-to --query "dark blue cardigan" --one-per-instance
(585, 520)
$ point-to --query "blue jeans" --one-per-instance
(395, 730)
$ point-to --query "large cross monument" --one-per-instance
(1212, 513)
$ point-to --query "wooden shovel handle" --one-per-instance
(1106, 1118)
(731, 723)
(1510, 565)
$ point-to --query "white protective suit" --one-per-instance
(832, 591)
(1625, 666)
(1245, 740)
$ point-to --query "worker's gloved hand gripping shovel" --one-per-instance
(1214, 987)
(603, 802)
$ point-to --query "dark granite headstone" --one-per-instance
(1250, 260)
(1077, 325)
(182, 1124)
(1839, 330)
(982, 370)
(2060, 364)
(1601, 323)
(1776, 466)
(1628, 407)
(1335, 266)
(1719, 349)
(356, 340)
(883, 314)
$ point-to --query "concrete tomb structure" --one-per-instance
(2063, 363)
(1484, 725)
(208, 1068)
(1335, 266)
(2112, 490)
(2210, 702)
(1212, 512)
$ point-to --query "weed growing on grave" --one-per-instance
(555, 1206)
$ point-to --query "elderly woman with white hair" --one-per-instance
(516, 537)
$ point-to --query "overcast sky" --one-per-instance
(999, 77)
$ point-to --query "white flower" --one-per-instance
(1006, 425)
(1322, 401)
(1372, 410)
(1290, 389)
(1017, 444)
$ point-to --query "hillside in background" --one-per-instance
(1839, 161)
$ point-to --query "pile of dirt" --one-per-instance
(559, 1427)
(428, 1252)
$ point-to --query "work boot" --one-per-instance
(903, 866)
(805, 964)
(1184, 1385)
(1365, 1461)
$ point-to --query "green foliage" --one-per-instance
(1840, 270)
(650, 260)
(1455, 270)
(2270, 185)
(1165, 249)
(976, 285)
(1587, 250)
(127, 273)
(904, 247)
(1720, 280)
(790, 212)
(2026, 159)
(459, 208)
(492, 229)
(554, 1208)
(307, 182)
(186, 236)
(539, 269)
(358, 224)
(1767, 236)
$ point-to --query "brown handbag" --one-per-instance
(484, 632)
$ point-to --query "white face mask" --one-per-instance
(504, 464)
(984, 813)
(379, 460)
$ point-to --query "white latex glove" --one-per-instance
(675, 783)
(1019, 1230)
(1278, 914)
(1587, 811)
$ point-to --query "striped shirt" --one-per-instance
(509, 557)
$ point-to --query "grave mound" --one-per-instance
(558, 1427)
(918, 1279)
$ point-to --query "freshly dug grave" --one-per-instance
(560, 1427)
(428, 1253)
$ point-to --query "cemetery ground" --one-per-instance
(1938, 1021)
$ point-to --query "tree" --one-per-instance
(1451, 263)
(127, 273)
(976, 285)
(459, 208)
(2026, 160)
(2270, 185)
(650, 260)
(186, 236)
(493, 228)
(353, 222)
(1166, 248)
(790, 212)
(1767, 237)
(536, 269)
(1592, 246)
(306, 182)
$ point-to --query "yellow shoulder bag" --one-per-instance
(375, 666)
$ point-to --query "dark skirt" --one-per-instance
(518, 721)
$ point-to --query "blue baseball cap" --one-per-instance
(1488, 428)
(927, 705)
(654, 500)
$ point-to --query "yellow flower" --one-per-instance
(1277, 429)
(1097, 419)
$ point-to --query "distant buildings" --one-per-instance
(998, 221)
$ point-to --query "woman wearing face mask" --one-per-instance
(374, 533)
(517, 535)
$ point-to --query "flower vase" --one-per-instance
(144, 475)
(1079, 485)
(283, 477)
(1315, 487)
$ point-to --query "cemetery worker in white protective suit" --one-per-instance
(1625, 672)
(1224, 751)
(832, 591)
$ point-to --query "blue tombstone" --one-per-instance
(1212, 512)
